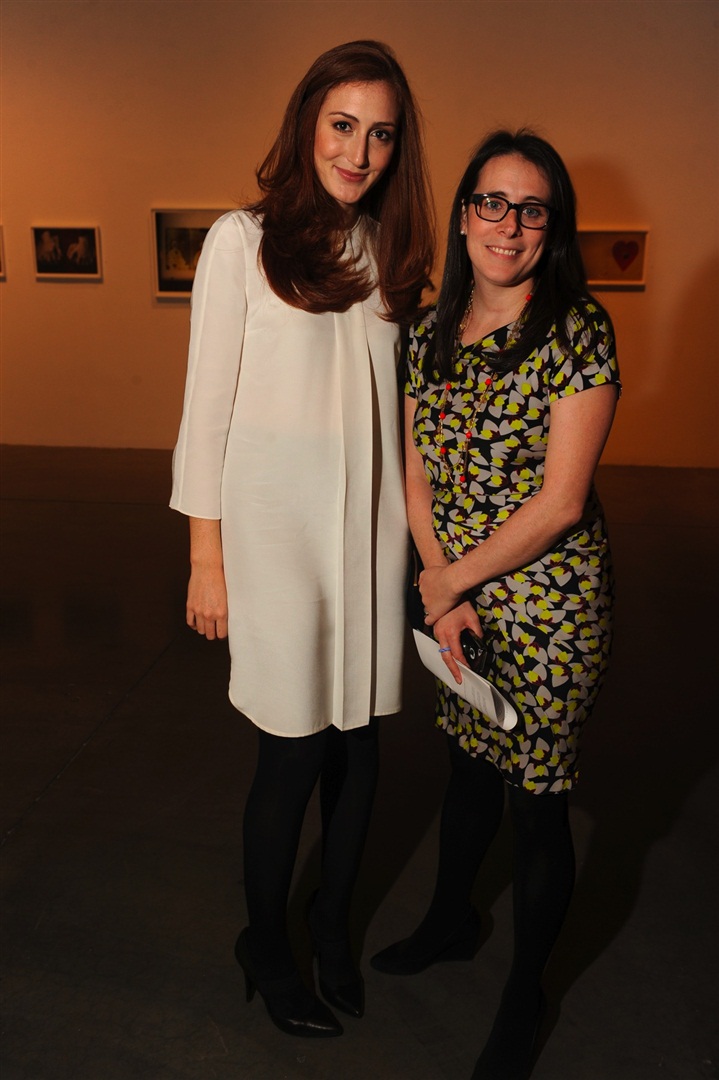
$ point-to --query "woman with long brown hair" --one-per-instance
(288, 465)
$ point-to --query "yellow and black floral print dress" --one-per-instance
(550, 620)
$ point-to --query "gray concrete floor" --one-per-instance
(125, 772)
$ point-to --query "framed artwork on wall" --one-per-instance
(178, 239)
(67, 253)
(614, 257)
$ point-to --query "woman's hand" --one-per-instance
(447, 630)
(206, 609)
(207, 602)
(439, 595)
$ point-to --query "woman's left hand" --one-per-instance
(447, 630)
(438, 594)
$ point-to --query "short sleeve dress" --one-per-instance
(550, 621)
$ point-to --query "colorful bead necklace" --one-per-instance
(463, 450)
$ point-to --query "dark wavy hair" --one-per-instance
(304, 230)
(560, 282)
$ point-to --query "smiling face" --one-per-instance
(355, 138)
(502, 253)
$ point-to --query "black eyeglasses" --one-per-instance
(530, 215)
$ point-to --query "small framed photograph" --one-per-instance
(64, 253)
(614, 258)
(179, 236)
(2, 256)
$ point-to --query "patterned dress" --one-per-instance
(551, 620)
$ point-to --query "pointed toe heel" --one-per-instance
(291, 1007)
(348, 998)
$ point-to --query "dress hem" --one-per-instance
(315, 731)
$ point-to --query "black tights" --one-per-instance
(543, 861)
(287, 772)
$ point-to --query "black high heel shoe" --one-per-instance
(290, 1005)
(409, 957)
(340, 979)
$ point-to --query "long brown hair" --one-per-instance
(304, 230)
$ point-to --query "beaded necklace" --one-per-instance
(481, 401)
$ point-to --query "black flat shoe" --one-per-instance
(290, 1005)
(408, 957)
(340, 980)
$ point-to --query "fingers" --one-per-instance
(206, 604)
(207, 626)
(197, 622)
(433, 617)
(451, 662)
(470, 618)
(447, 631)
(437, 599)
(451, 651)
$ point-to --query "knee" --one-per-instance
(535, 816)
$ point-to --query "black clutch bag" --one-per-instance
(478, 652)
(413, 598)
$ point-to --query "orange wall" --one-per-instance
(111, 107)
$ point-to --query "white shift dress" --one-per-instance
(290, 436)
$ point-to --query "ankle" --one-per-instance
(443, 916)
(327, 925)
(522, 996)
(271, 956)
(442, 922)
(511, 1047)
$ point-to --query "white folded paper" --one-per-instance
(474, 689)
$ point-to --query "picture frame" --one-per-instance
(614, 258)
(178, 238)
(66, 252)
(2, 256)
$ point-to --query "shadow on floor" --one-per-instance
(125, 776)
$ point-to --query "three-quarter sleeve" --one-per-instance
(217, 328)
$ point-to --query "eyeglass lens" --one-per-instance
(495, 208)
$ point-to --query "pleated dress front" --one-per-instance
(290, 437)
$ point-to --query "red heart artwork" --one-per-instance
(625, 252)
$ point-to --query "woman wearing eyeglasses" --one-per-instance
(512, 387)
(288, 464)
